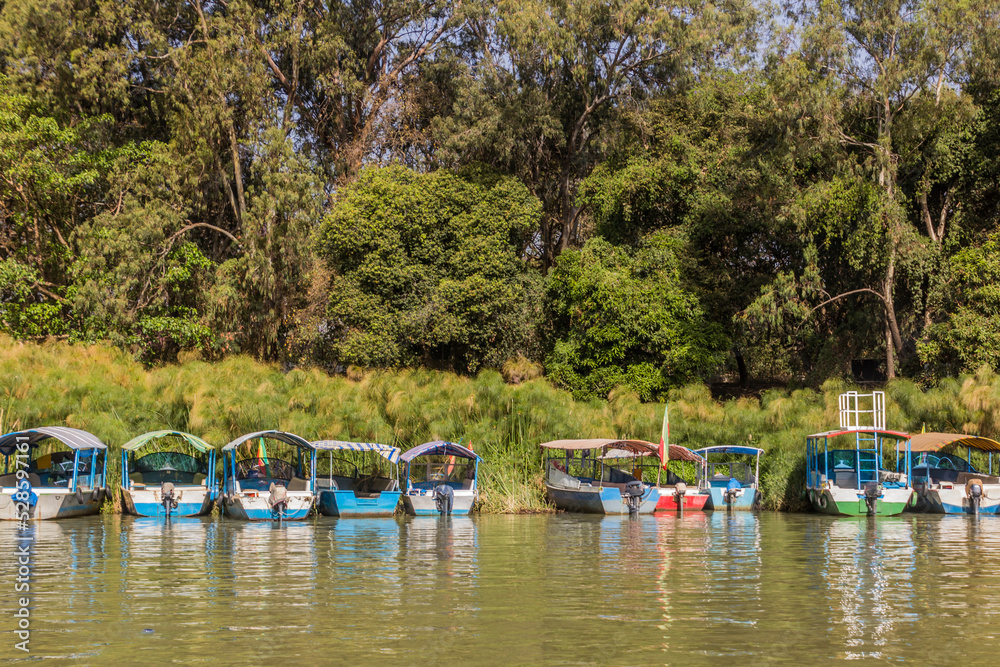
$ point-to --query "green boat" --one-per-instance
(845, 469)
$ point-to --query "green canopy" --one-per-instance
(145, 438)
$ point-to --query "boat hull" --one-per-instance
(845, 502)
(743, 502)
(191, 501)
(691, 501)
(599, 500)
(51, 503)
(423, 504)
(954, 500)
(255, 507)
(347, 504)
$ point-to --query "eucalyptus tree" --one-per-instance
(866, 77)
(545, 79)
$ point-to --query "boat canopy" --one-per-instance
(146, 438)
(729, 449)
(391, 454)
(438, 447)
(71, 437)
(933, 442)
(281, 436)
(624, 448)
(832, 434)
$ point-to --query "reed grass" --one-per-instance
(102, 390)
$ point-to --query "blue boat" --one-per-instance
(55, 472)
(586, 476)
(257, 486)
(355, 494)
(175, 476)
(944, 482)
(732, 483)
(440, 479)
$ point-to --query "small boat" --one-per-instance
(733, 484)
(442, 481)
(166, 480)
(851, 478)
(356, 494)
(56, 472)
(594, 482)
(948, 484)
(675, 494)
(257, 486)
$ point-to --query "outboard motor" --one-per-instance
(167, 498)
(632, 495)
(444, 498)
(278, 500)
(974, 492)
(733, 491)
(873, 491)
(680, 490)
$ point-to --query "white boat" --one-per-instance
(440, 479)
(166, 480)
(261, 487)
(948, 484)
(52, 472)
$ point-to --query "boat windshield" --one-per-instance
(53, 464)
(175, 467)
(430, 471)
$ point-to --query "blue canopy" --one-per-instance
(439, 448)
(387, 452)
(71, 437)
(729, 449)
(281, 436)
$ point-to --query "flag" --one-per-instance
(665, 438)
(262, 457)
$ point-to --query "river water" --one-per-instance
(704, 588)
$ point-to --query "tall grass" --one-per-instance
(101, 390)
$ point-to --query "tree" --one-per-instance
(624, 320)
(545, 80)
(426, 269)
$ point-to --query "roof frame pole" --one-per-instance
(93, 468)
(756, 473)
(76, 463)
(826, 458)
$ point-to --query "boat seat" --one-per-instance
(298, 484)
(199, 479)
(136, 477)
(963, 477)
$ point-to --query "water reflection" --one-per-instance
(702, 588)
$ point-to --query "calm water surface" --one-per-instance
(710, 588)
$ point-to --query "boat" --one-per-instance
(355, 494)
(54, 472)
(845, 471)
(945, 483)
(594, 482)
(261, 487)
(441, 479)
(732, 483)
(675, 494)
(166, 480)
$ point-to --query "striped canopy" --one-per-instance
(624, 448)
(71, 437)
(438, 448)
(933, 442)
(391, 454)
(146, 438)
(280, 436)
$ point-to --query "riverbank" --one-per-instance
(102, 390)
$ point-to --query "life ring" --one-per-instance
(914, 499)
(822, 501)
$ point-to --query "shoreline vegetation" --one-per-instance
(102, 389)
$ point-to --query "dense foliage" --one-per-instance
(636, 192)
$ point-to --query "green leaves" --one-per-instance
(626, 321)
(427, 269)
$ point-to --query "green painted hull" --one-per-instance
(826, 503)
